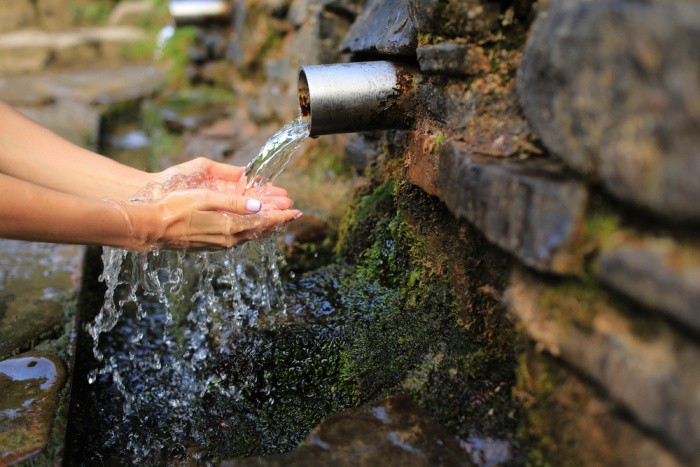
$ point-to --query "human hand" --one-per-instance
(225, 178)
(203, 219)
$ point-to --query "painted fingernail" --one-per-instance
(253, 205)
(298, 215)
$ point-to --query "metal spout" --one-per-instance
(360, 96)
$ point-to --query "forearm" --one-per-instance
(30, 212)
(32, 153)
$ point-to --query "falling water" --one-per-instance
(165, 361)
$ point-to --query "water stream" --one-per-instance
(168, 319)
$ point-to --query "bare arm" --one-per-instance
(33, 153)
(198, 219)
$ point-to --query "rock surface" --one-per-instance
(385, 27)
(392, 432)
(528, 208)
(645, 367)
(452, 58)
(616, 97)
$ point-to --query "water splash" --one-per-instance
(164, 362)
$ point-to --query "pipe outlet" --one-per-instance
(360, 96)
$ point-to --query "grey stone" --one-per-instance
(391, 432)
(360, 150)
(385, 27)
(611, 88)
(653, 375)
(452, 58)
(30, 386)
(529, 208)
(35, 278)
(658, 273)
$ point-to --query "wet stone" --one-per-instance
(625, 111)
(527, 207)
(451, 58)
(384, 27)
(392, 432)
(35, 278)
(29, 393)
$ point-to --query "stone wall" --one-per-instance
(566, 133)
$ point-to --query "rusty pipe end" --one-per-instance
(360, 96)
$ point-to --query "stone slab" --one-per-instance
(33, 50)
(530, 208)
(656, 272)
(649, 370)
(95, 86)
(612, 88)
(35, 280)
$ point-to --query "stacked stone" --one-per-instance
(40, 34)
(570, 142)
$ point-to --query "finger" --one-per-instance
(268, 219)
(276, 202)
(216, 201)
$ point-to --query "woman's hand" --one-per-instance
(204, 219)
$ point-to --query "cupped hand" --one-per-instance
(205, 219)
(215, 171)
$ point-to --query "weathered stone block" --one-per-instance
(528, 208)
(657, 273)
(642, 365)
(451, 58)
(611, 87)
(385, 27)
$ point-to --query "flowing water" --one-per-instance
(168, 319)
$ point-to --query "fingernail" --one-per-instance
(298, 215)
(253, 205)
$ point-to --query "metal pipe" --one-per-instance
(198, 11)
(360, 96)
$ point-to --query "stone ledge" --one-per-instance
(528, 208)
(574, 425)
(644, 366)
(656, 272)
(33, 50)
